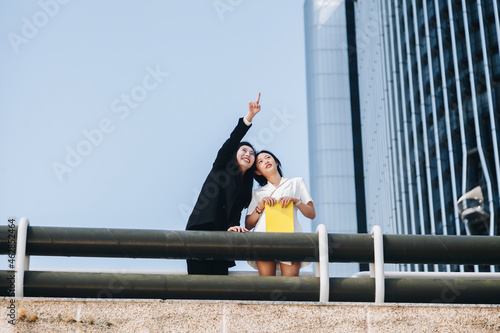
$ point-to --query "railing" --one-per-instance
(319, 247)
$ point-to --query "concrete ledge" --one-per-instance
(141, 316)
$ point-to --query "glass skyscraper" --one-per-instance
(330, 122)
(426, 89)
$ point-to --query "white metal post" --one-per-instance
(378, 265)
(322, 267)
(22, 260)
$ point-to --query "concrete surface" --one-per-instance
(142, 316)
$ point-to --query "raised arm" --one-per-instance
(253, 109)
(229, 147)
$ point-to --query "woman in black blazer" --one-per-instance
(225, 192)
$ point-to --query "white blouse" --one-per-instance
(293, 187)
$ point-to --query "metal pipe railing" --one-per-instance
(320, 247)
(168, 244)
(130, 243)
(159, 286)
(434, 249)
(108, 285)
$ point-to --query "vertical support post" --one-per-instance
(322, 267)
(377, 268)
(22, 260)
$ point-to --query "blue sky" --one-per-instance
(112, 111)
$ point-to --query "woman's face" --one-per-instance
(245, 157)
(266, 165)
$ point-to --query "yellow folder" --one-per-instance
(279, 219)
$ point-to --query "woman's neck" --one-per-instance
(275, 179)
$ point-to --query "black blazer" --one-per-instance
(222, 196)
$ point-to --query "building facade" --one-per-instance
(428, 75)
(334, 150)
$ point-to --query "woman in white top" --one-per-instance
(275, 189)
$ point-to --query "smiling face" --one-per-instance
(245, 157)
(266, 165)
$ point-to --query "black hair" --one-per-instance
(260, 178)
(246, 179)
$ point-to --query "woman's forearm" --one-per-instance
(249, 116)
(251, 220)
(307, 210)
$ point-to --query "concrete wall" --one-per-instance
(141, 316)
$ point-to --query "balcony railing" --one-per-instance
(320, 247)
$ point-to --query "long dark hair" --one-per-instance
(246, 179)
(260, 178)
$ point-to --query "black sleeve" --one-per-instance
(229, 147)
(235, 222)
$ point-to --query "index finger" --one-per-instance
(258, 99)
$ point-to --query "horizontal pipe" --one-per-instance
(434, 249)
(168, 244)
(7, 238)
(104, 242)
(141, 286)
(350, 248)
(106, 285)
(442, 291)
(352, 290)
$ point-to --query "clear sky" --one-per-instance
(112, 111)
